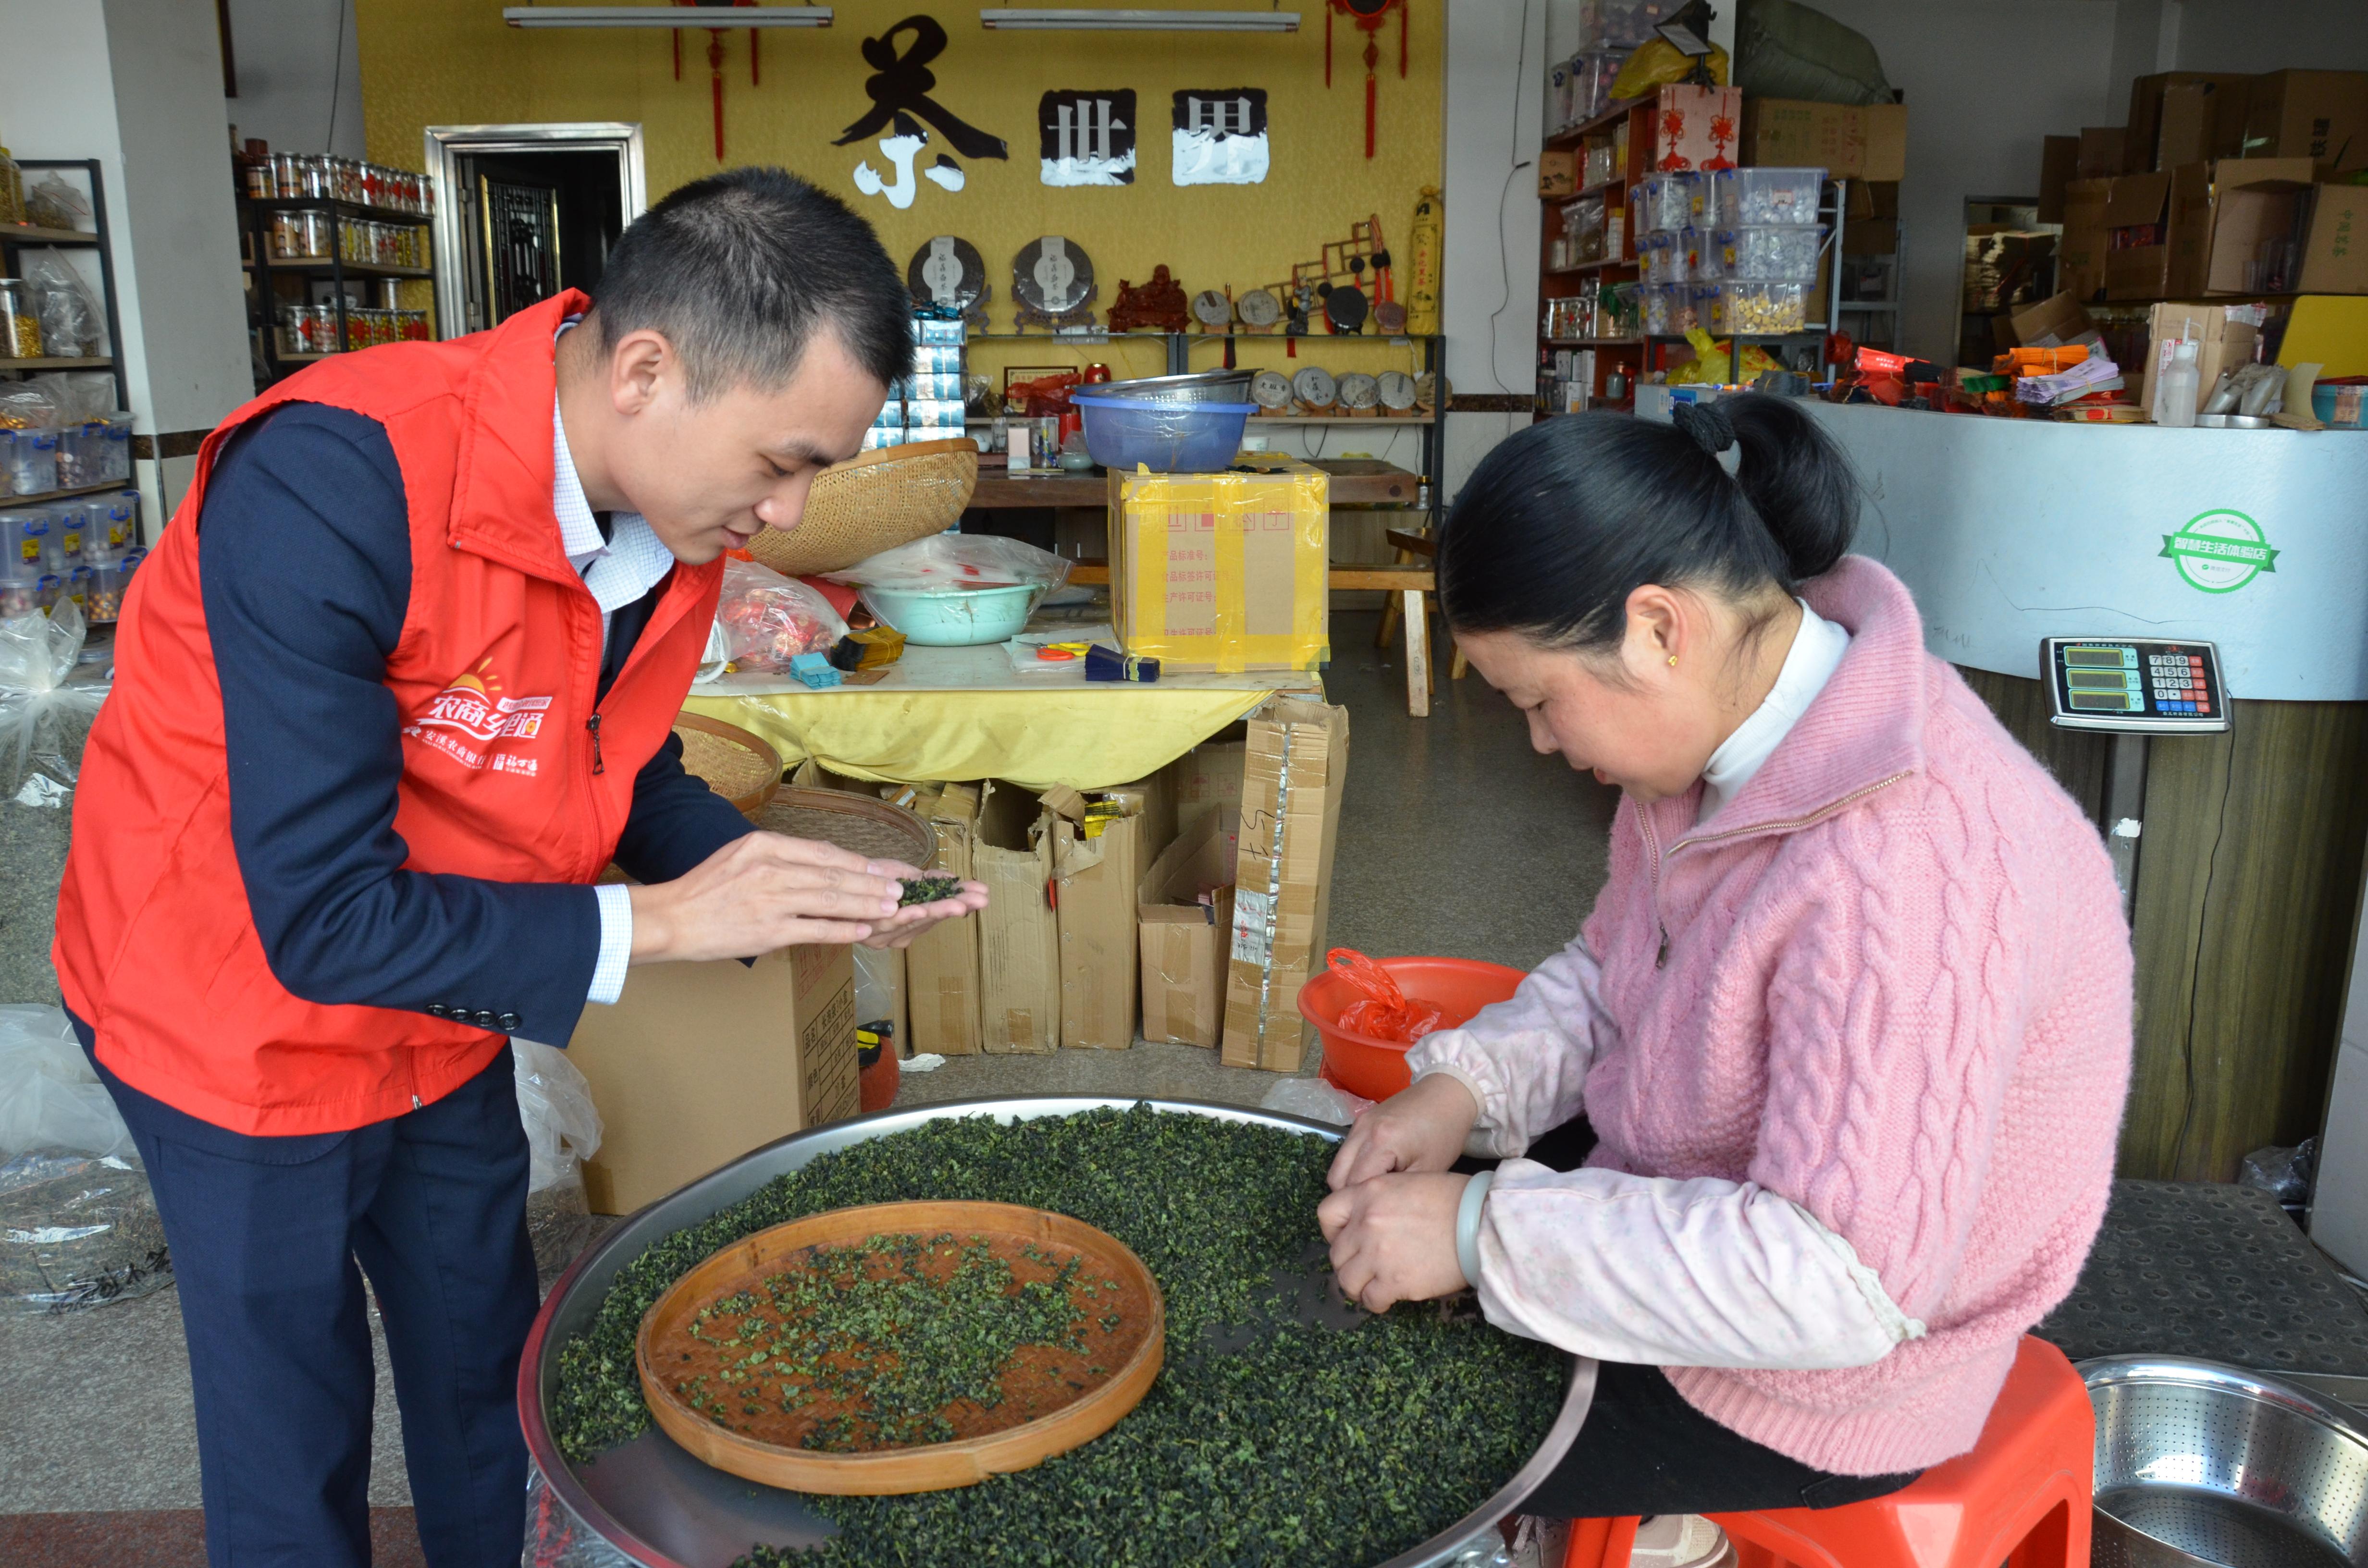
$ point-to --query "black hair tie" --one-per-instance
(1707, 422)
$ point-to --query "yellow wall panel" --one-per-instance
(453, 62)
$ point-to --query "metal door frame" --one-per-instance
(447, 144)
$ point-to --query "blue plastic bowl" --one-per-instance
(1202, 438)
(956, 617)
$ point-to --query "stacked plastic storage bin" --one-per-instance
(34, 461)
(928, 405)
(1667, 246)
(1761, 241)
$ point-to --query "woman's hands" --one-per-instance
(1421, 1128)
(1393, 1238)
(1391, 1218)
(766, 891)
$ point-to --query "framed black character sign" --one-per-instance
(1220, 136)
(1088, 137)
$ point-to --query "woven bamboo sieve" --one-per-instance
(866, 825)
(737, 765)
(885, 497)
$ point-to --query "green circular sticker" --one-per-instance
(2219, 551)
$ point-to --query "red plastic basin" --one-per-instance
(1376, 1069)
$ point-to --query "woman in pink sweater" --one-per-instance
(1850, 1022)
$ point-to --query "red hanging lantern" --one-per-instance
(716, 62)
(1369, 16)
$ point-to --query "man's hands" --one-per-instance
(1391, 1218)
(1393, 1238)
(766, 891)
(1421, 1128)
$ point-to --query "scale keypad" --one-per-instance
(2177, 684)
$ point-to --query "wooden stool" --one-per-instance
(2021, 1497)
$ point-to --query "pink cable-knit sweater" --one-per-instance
(1889, 981)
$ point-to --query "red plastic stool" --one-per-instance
(2021, 1498)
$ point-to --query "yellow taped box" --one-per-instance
(1224, 572)
(1296, 765)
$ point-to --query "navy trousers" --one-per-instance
(265, 1235)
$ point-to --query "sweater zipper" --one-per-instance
(1644, 823)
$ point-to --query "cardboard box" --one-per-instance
(1224, 572)
(2318, 115)
(2059, 165)
(1296, 765)
(1696, 127)
(1853, 141)
(699, 1062)
(2102, 152)
(2056, 320)
(2335, 260)
(2222, 343)
(1185, 942)
(2080, 250)
(1557, 173)
(1098, 866)
(2252, 224)
(2225, 102)
(2154, 243)
(941, 976)
(1018, 935)
(1207, 781)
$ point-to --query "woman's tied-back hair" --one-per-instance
(1564, 520)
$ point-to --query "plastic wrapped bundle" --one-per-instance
(563, 1131)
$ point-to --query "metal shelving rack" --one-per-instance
(19, 237)
(333, 268)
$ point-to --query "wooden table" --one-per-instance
(1355, 482)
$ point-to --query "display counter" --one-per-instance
(2243, 850)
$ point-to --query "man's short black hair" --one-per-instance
(740, 269)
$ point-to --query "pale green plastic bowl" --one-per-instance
(956, 617)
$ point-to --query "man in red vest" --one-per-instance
(393, 688)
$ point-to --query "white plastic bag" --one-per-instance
(563, 1131)
(43, 722)
(71, 326)
(38, 711)
(769, 620)
(1316, 1099)
(957, 560)
(78, 1225)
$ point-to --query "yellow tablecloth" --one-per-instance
(1087, 740)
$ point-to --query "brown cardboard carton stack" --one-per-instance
(1296, 762)
(2318, 115)
(1018, 935)
(2183, 116)
(1100, 849)
(1186, 941)
(941, 975)
(1852, 142)
(1207, 781)
(699, 1062)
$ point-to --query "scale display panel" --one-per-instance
(2134, 687)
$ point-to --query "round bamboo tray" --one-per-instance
(737, 764)
(860, 822)
(875, 501)
(1053, 1400)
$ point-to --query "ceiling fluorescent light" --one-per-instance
(1067, 18)
(667, 16)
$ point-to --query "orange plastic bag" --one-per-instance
(1385, 1013)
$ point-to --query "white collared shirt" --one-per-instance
(618, 570)
(1818, 649)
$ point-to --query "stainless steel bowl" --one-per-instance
(1180, 391)
(656, 1506)
(2205, 1466)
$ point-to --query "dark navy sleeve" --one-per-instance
(676, 820)
(305, 560)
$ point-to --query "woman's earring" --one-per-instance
(1673, 659)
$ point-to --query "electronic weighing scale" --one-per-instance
(2135, 689)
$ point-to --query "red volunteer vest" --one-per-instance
(496, 677)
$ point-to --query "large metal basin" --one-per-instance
(662, 1508)
(2205, 1466)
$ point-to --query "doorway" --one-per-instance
(523, 211)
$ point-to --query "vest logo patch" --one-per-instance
(467, 718)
